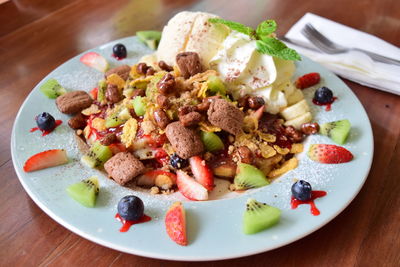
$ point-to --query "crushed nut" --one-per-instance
(190, 119)
(154, 190)
(245, 154)
(255, 102)
(161, 118)
(141, 68)
(162, 101)
(165, 66)
(310, 128)
(295, 135)
(166, 84)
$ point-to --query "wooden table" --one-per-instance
(37, 36)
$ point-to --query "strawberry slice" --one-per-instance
(175, 223)
(117, 147)
(94, 60)
(308, 80)
(46, 159)
(259, 112)
(189, 187)
(94, 92)
(329, 154)
(201, 172)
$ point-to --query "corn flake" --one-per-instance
(267, 151)
(202, 93)
(287, 166)
(116, 80)
(207, 127)
(129, 132)
(270, 138)
(99, 124)
(282, 151)
(296, 148)
(250, 123)
(93, 109)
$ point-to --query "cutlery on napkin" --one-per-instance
(353, 65)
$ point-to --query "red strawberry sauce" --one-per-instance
(314, 195)
(127, 224)
(44, 133)
(117, 58)
(328, 105)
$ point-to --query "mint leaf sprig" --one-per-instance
(265, 38)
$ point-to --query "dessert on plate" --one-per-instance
(216, 100)
(206, 104)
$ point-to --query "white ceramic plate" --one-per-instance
(214, 227)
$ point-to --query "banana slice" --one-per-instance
(297, 122)
(288, 88)
(295, 110)
(295, 97)
(150, 60)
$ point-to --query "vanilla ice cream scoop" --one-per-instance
(191, 32)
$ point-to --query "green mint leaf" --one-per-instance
(274, 47)
(234, 26)
(266, 27)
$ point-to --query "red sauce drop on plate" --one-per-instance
(328, 105)
(314, 195)
(117, 58)
(44, 133)
(127, 224)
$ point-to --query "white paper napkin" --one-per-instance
(355, 66)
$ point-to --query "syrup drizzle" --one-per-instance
(314, 195)
(44, 133)
(328, 105)
(126, 224)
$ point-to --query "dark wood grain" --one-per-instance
(37, 36)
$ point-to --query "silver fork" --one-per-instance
(329, 47)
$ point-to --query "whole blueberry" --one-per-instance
(178, 162)
(119, 51)
(131, 208)
(301, 190)
(45, 121)
(323, 95)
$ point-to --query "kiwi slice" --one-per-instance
(101, 93)
(248, 176)
(117, 118)
(97, 155)
(336, 130)
(211, 141)
(52, 89)
(149, 38)
(259, 216)
(216, 85)
(139, 105)
(85, 192)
